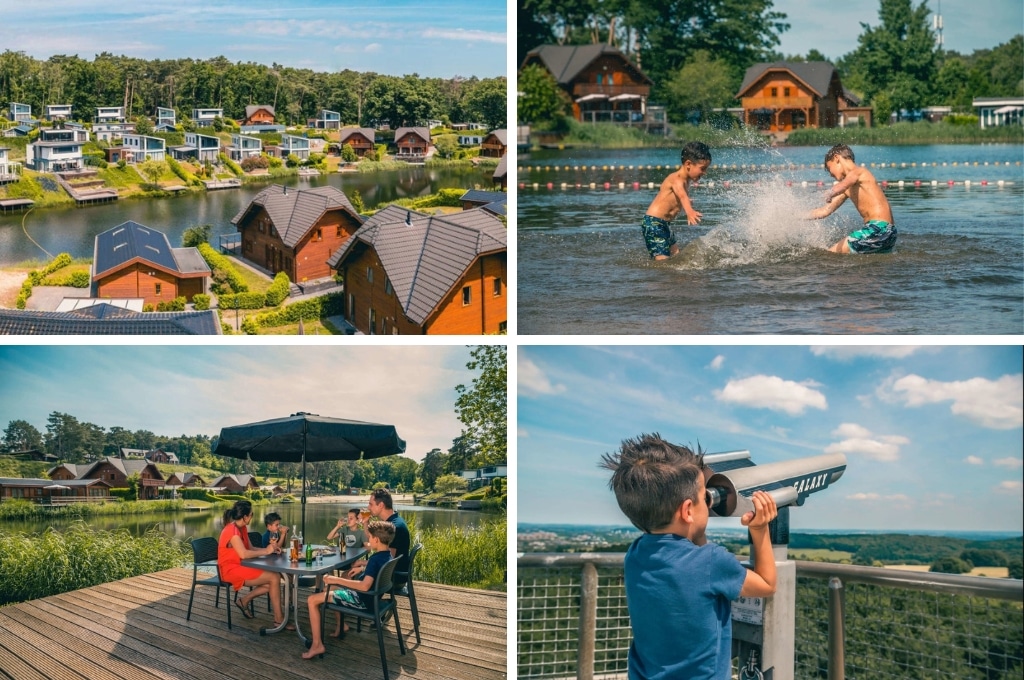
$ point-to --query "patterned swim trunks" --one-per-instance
(877, 236)
(657, 235)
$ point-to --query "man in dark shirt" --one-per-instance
(381, 507)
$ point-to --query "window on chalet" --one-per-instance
(159, 288)
(497, 286)
(373, 322)
(387, 286)
(503, 327)
(369, 274)
(273, 231)
(775, 92)
(467, 295)
(786, 91)
(319, 236)
(261, 226)
(340, 232)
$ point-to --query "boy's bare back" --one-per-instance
(865, 194)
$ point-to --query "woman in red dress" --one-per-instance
(232, 548)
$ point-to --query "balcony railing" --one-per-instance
(573, 621)
(581, 89)
(777, 102)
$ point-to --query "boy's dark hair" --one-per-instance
(354, 511)
(651, 479)
(840, 150)
(384, 531)
(270, 518)
(382, 496)
(695, 152)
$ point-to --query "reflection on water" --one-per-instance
(754, 265)
(320, 519)
(72, 230)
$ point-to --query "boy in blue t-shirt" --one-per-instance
(380, 535)
(680, 588)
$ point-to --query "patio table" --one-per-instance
(292, 571)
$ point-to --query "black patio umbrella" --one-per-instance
(303, 437)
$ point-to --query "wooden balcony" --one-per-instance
(135, 629)
(777, 103)
(583, 89)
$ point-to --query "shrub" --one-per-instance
(314, 308)
(232, 166)
(201, 301)
(274, 162)
(182, 174)
(79, 279)
(348, 154)
(293, 160)
(278, 290)
(223, 270)
(255, 162)
(148, 307)
(175, 305)
(243, 300)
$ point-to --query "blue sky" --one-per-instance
(833, 27)
(932, 435)
(393, 37)
(198, 390)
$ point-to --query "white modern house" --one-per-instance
(165, 116)
(291, 144)
(63, 135)
(145, 148)
(58, 111)
(204, 117)
(243, 146)
(9, 170)
(109, 114)
(328, 120)
(484, 476)
(995, 111)
(198, 147)
(20, 113)
(106, 132)
(54, 156)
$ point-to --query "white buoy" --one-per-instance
(935, 183)
(804, 184)
(622, 185)
(593, 186)
(650, 185)
(900, 184)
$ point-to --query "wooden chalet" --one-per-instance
(115, 472)
(495, 144)
(135, 261)
(161, 456)
(258, 114)
(185, 479)
(413, 143)
(296, 230)
(51, 492)
(784, 96)
(362, 140)
(603, 84)
(235, 483)
(410, 273)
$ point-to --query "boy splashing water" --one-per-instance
(673, 197)
(858, 185)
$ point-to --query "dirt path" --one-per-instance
(10, 285)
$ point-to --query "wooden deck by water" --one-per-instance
(135, 629)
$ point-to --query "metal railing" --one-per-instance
(851, 621)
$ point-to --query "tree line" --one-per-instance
(697, 51)
(297, 95)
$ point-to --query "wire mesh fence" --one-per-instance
(891, 631)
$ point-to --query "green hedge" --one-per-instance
(242, 301)
(175, 305)
(314, 308)
(124, 494)
(223, 270)
(183, 174)
(36, 276)
(278, 290)
(79, 279)
(231, 165)
(201, 301)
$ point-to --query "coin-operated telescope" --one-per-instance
(763, 628)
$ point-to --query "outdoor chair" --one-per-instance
(256, 541)
(406, 590)
(384, 604)
(204, 554)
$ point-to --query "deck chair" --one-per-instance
(403, 588)
(384, 604)
(256, 541)
(204, 554)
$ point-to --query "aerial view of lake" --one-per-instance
(72, 230)
(753, 265)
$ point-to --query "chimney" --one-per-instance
(285, 189)
(408, 219)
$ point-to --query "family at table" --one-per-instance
(387, 537)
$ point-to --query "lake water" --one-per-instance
(752, 265)
(320, 519)
(73, 230)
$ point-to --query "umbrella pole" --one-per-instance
(304, 435)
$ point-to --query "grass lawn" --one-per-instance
(311, 327)
(991, 572)
(820, 554)
(258, 283)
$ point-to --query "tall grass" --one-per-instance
(38, 565)
(21, 509)
(464, 556)
(921, 132)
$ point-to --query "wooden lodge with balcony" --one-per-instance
(115, 472)
(785, 96)
(361, 139)
(604, 85)
(52, 492)
(412, 143)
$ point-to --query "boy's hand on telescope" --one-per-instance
(765, 511)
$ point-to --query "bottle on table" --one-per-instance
(309, 554)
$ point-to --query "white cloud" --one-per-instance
(522, 433)
(372, 47)
(996, 404)
(872, 496)
(533, 381)
(864, 496)
(974, 460)
(858, 440)
(1009, 462)
(772, 392)
(780, 432)
(463, 35)
(717, 362)
(848, 353)
(1010, 487)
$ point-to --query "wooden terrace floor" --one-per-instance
(135, 629)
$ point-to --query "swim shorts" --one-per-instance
(877, 236)
(657, 235)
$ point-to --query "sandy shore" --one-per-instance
(10, 285)
(404, 499)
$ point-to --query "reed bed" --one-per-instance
(464, 556)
